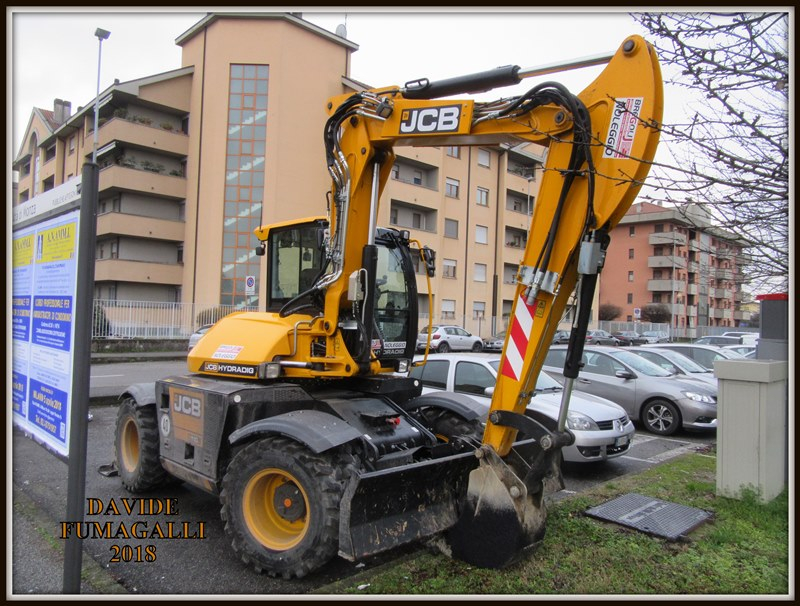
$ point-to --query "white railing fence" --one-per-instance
(157, 320)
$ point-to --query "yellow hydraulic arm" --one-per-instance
(600, 146)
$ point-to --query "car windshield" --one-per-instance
(684, 362)
(641, 365)
(544, 382)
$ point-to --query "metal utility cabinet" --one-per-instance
(751, 433)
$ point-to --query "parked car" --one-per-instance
(743, 350)
(649, 394)
(677, 364)
(449, 338)
(702, 354)
(602, 429)
(495, 342)
(561, 337)
(630, 337)
(748, 338)
(197, 335)
(656, 336)
(718, 340)
(600, 337)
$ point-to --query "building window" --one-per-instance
(484, 157)
(451, 187)
(630, 253)
(450, 228)
(658, 228)
(417, 179)
(180, 253)
(482, 197)
(393, 216)
(71, 145)
(448, 309)
(478, 310)
(416, 221)
(479, 272)
(453, 151)
(449, 268)
(481, 234)
(632, 230)
(630, 276)
(630, 298)
(395, 172)
(244, 179)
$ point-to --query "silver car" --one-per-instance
(651, 395)
(678, 364)
(449, 338)
(704, 355)
(602, 429)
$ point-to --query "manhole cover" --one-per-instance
(653, 516)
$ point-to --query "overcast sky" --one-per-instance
(53, 54)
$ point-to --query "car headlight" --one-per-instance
(580, 422)
(700, 397)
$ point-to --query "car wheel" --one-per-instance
(661, 417)
(444, 347)
(478, 346)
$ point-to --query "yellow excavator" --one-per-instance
(300, 418)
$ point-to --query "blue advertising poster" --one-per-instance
(44, 281)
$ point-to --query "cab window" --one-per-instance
(433, 374)
(473, 378)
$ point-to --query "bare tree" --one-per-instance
(657, 313)
(731, 155)
(608, 312)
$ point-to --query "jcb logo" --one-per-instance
(442, 119)
(187, 405)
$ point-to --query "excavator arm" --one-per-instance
(600, 145)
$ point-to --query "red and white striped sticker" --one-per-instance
(520, 336)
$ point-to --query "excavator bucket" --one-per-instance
(503, 515)
(384, 509)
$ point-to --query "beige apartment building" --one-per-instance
(194, 159)
(663, 255)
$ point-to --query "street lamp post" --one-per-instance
(101, 35)
(82, 348)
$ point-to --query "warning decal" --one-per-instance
(622, 130)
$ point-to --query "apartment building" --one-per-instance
(679, 259)
(194, 159)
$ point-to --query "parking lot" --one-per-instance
(208, 565)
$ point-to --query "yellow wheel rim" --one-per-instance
(129, 445)
(275, 509)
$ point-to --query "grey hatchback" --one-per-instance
(660, 401)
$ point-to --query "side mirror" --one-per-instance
(624, 374)
(488, 392)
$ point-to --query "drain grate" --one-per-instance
(652, 516)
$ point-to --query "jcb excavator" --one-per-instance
(296, 416)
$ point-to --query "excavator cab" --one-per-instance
(296, 259)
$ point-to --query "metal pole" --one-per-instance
(82, 351)
(101, 35)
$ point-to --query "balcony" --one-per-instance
(138, 271)
(691, 311)
(722, 293)
(720, 313)
(741, 315)
(142, 181)
(692, 289)
(410, 192)
(677, 309)
(140, 135)
(140, 227)
(665, 261)
(668, 238)
(665, 286)
(723, 274)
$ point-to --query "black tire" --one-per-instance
(478, 346)
(136, 447)
(444, 347)
(280, 505)
(661, 417)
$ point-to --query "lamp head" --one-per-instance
(102, 34)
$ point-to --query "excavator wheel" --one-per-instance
(280, 505)
(136, 447)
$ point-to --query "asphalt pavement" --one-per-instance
(193, 565)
